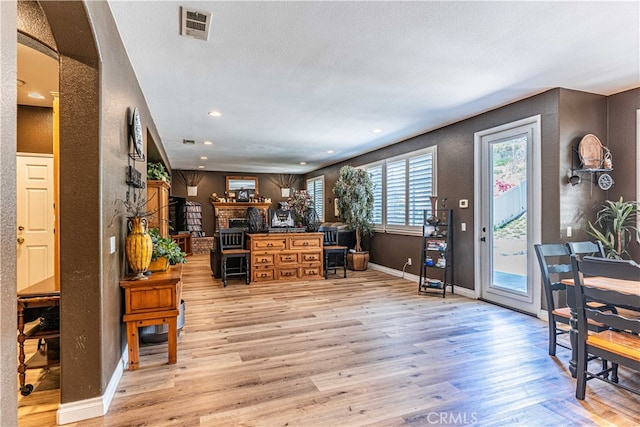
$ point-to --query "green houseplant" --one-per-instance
(615, 226)
(166, 251)
(354, 196)
(156, 171)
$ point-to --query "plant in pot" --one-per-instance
(166, 251)
(300, 203)
(157, 172)
(615, 227)
(354, 196)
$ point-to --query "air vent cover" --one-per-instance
(188, 141)
(195, 23)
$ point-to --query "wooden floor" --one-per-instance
(366, 350)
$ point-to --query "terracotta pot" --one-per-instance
(357, 261)
(138, 247)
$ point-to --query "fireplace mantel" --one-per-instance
(224, 211)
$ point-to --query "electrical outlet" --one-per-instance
(408, 261)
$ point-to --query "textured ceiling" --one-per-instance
(294, 80)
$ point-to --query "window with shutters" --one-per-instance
(403, 185)
(315, 188)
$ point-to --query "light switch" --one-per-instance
(463, 226)
(112, 244)
(569, 231)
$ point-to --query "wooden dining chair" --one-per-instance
(619, 343)
(555, 265)
(232, 246)
(586, 248)
(335, 256)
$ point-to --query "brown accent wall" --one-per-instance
(215, 182)
(623, 145)
(35, 129)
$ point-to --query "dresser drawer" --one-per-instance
(285, 258)
(262, 274)
(313, 257)
(303, 242)
(268, 244)
(288, 273)
(311, 272)
(263, 259)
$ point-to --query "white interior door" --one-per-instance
(508, 214)
(35, 217)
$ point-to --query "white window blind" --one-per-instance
(403, 185)
(315, 188)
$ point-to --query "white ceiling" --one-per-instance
(293, 80)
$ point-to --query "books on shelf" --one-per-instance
(193, 218)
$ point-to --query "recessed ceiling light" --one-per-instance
(330, 151)
(208, 143)
(377, 131)
(200, 167)
(203, 158)
(36, 95)
(303, 163)
(215, 113)
(20, 82)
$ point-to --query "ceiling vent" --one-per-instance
(195, 23)
(188, 141)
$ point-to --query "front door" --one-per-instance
(35, 217)
(508, 214)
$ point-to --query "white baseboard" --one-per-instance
(468, 293)
(97, 406)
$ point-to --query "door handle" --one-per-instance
(483, 239)
(20, 228)
(20, 240)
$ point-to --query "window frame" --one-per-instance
(311, 183)
(412, 230)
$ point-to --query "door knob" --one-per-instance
(20, 240)
(21, 228)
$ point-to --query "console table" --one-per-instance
(32, 302)
(285, 256)
(154, 301)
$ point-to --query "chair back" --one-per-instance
(231, 238)
(608, 268)
(552, 273)
(586, 248)
(330, 235)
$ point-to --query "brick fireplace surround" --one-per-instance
(223, 212)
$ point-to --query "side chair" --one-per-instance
(335, 256)
(619, 342)
(232, 246)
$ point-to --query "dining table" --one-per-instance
(631, 287)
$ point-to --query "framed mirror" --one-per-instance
(249, 183)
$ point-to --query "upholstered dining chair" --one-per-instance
(335, 256)
(232, 246)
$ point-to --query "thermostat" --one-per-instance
(463, 203)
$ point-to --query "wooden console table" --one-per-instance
(154, 301)
(184, 241)
(32, 301)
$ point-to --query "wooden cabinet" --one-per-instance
(154, 301)
(158, 204)
(184, 241)
(285, 256)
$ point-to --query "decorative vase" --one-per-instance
(138, 247)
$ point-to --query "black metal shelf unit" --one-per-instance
(436, 258)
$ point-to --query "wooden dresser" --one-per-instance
(285, 256)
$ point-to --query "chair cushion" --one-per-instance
(235, 251)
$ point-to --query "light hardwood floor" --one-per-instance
(366, 350)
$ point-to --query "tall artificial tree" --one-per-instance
(354, 196)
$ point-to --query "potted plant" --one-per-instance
(300, 203)
(615, 227)
(157, 172)
(166, 251)
(354, 196)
